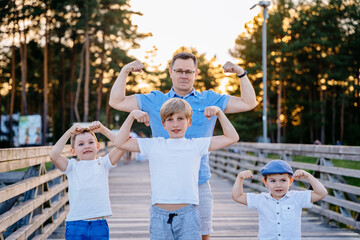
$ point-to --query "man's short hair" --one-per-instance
(85, 130)
(184, 56)
(175, 105)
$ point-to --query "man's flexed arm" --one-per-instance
(247, 100)
(118, 99)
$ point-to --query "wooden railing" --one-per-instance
(342, 205)
(33, 196)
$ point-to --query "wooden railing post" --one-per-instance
(336, 179)
(323, 177)
(286, 157)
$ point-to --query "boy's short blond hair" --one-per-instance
(175, 105)
(85, 130)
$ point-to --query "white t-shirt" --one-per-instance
(133, 135)
(88, 188)
(280, 219)
(174, 168)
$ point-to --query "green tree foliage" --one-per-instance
(111, 35)
(313, 69)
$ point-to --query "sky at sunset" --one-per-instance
(210, 26)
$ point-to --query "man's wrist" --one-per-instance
(243, 75)
(126, 70)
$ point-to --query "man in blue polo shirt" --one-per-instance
(183, 72)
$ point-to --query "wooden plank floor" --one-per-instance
(130, 200)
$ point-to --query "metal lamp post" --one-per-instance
(117, 118)
(264, 5)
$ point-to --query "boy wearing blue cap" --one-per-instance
(280, 209)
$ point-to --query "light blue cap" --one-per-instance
(276, 167)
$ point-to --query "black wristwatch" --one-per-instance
(242, 75)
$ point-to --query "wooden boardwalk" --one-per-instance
(130, 197)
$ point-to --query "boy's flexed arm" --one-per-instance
(98, 127)
(59, 160)
(238, 194)
(116, 153)
(122, 139)
(319, 191)
(118, 99)
(230, 135)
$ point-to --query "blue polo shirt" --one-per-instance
(201, 127)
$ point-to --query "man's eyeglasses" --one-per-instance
(187, 72)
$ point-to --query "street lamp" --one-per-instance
(117, 118)
(264, 5)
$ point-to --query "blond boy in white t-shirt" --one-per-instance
(174, 167)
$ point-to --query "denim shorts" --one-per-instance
(181, 224)
(87, 230)
(205, 208)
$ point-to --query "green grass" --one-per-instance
(304, 159)
(273, 156)
(47, 165)
(337, 163)
(346, 164)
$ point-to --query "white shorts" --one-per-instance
(205, 208)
